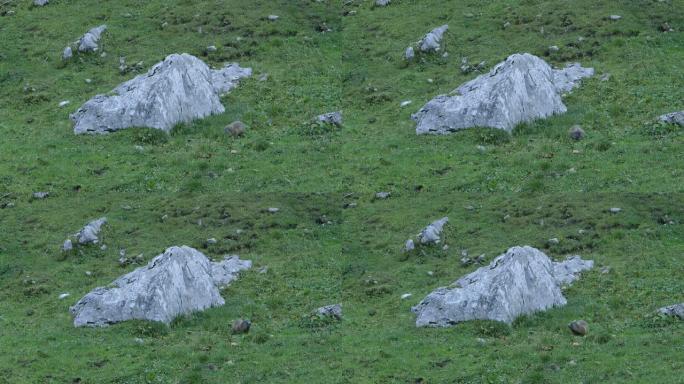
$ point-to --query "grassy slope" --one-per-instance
(519, 191)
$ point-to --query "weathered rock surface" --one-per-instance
(409, 54)
(334, 311)
(432, 41)
(179, 89)
(40, 3)
(334, 118)
(179, 281)
(89, 41)
(89, 234)
(673, 310)
(520, 89)
(431, 234)
(382, 3)
(673, 118)
(567, 271)
(67, 54)
(521, 281)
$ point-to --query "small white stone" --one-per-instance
(273, 210)
(64, 103)
(88, 273)
(554, 240)
(273, 17)
(405, 103)
(406, 296)
(615, 210)
(615, 17)
(212, 241)
(211, 48)
(64, 296)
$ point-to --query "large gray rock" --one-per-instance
(179, 281)
(89, 41)
(673, 310)
(432, 41)
(520, 89)
(89, 234)
(521, 281)
(179, 89)
(673, 118)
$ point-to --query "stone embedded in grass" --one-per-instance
(382, 3)
(40, 195)
(382, 195)
(520, 89)
(89, 41)
(615, 17)
(273, 17)
(332, 311)
(567, 271)
(431, 234)
(179, 281)
(89, 234)
(615, 210)
(673, 118)
(67, 53)
(40, 3)
(273, 210)
(521, 281)
(333, 118)
(409, 245)
(676, 310)
(409, 54)
(432, 41)
(177, 90)
(67, 246)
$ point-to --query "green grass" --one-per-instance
(520, 190)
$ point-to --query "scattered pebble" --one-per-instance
(615, 210)
(40, 195)
(212, 241)
(605, 270)
(554, 48)
(382, 195)
(273, 210)
(605, 77)
(409, 54)
(409, 246)
(64, 103)
(64, 296)
(554, 241)
(615, 17)
(273, 17)
(235, 129)
(211, 48)
(405, 103)
(406, 296)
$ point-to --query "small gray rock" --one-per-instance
(40, 195)
(89, 233)
(273, 210)
(382, 195)
(273, 17)
(432, 41)
(409, 245)
(89, 41)
(333, 311)
(40, 3)
(615, 210)
(673, 310)
(67, 54)
(673, 118)
(211, 48)
(409, 54)
(615, 17)
(576, 133)
(333, 118)
(68, 246)
(431, 234)
(382, 3)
